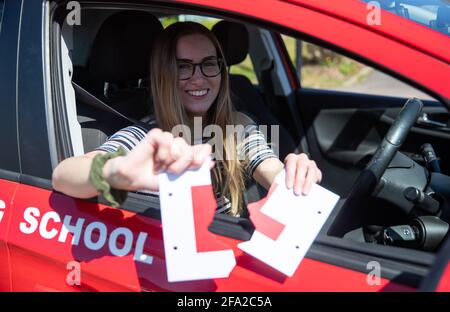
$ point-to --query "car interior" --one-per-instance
(386, 157)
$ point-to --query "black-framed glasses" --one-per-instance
(209, 68)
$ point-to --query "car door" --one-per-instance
(139, 265)
(26, 262)
(55, 243)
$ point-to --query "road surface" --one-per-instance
(382, 84)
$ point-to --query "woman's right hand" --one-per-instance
(158, 151)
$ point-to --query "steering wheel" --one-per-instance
(394, 138)
(391, 143)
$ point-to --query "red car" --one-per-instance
(59, 78)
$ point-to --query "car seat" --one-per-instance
(118, 63)
(234, 39)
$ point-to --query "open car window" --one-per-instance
(83, 63)
(324, 69)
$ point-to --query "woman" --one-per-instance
(188, 80)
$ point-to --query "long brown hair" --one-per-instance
(228, 174)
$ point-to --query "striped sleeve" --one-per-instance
(254, 149)
(127, 137)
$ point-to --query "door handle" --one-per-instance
(426, 121)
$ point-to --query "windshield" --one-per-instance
(434, 14)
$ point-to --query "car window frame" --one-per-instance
(9, 158)
(35, 127)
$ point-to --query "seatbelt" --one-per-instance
(91, 100)
(267, 85)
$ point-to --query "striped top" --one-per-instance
(251, 147)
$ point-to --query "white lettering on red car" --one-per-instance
(285, 228)
(33, 222)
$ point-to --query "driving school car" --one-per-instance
(385, 154)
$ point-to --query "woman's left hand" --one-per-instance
(301, 173)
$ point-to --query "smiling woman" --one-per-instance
(196, 90)
(188, 81)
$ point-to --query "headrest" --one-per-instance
(233, 37)
(121, 49)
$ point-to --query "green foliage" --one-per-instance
(168, 20)
(345, 68)
(207, 22)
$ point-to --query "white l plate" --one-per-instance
(183, 262)
(303, 217)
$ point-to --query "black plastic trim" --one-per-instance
(229, 226)
(9, 39)
(441, 264)
(399, 272)
(9, 175)
(411, 256)
(41, 183)
(146, 205)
